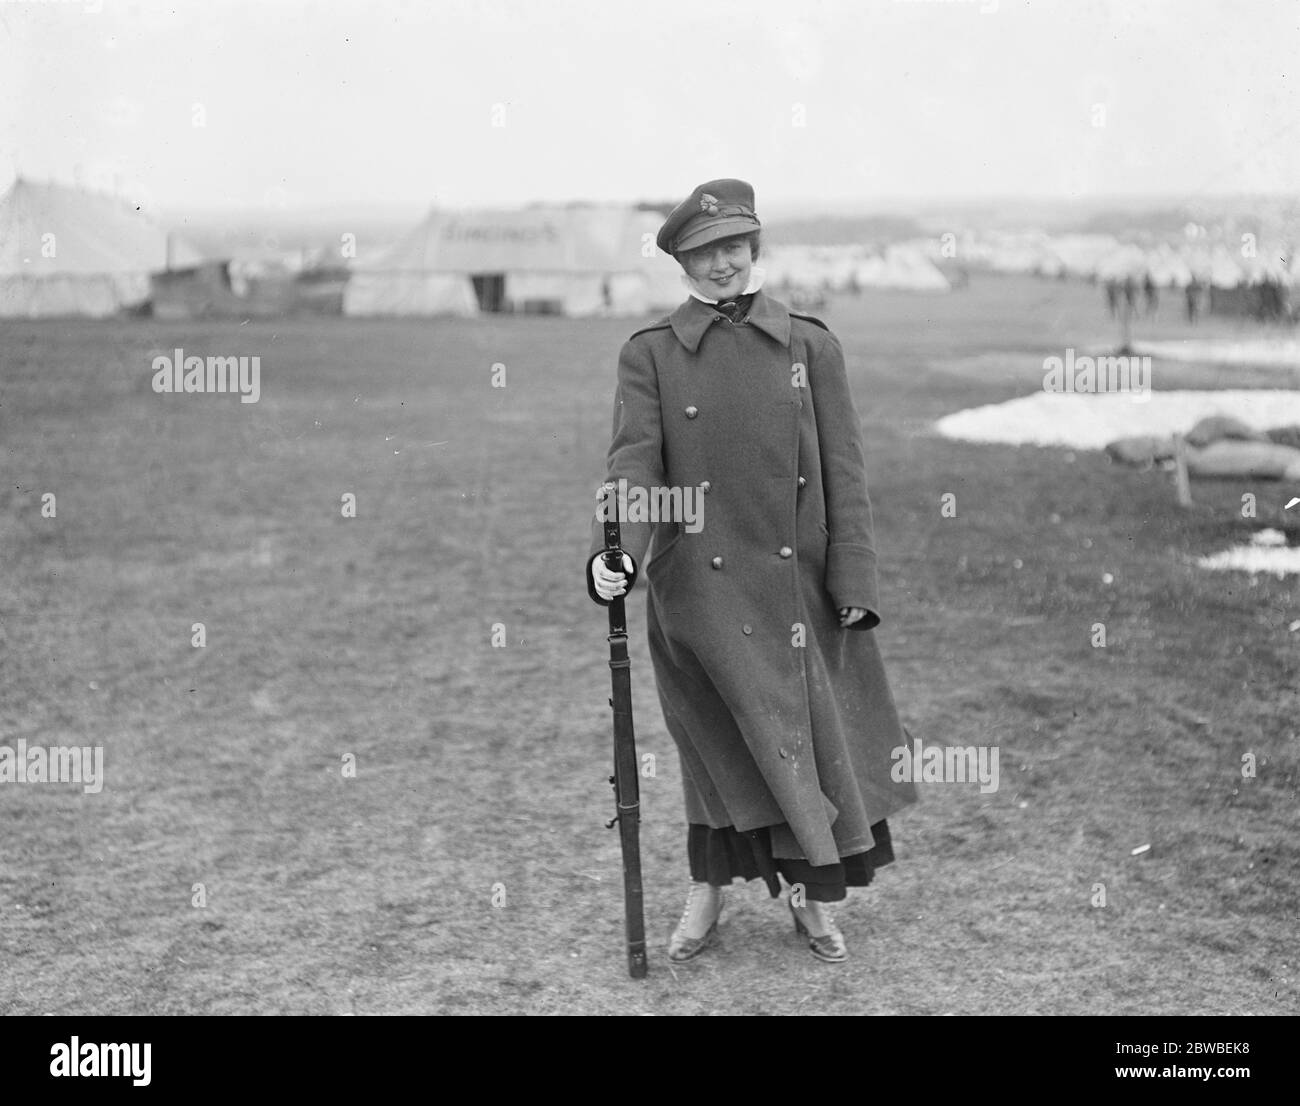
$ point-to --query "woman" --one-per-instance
(759, 614)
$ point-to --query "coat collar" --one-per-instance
(693, 318)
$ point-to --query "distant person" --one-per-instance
(760, 619)
(1112, 298)
(1150, 295)
(1193, 295)
(1272, 302)
(1130, 295)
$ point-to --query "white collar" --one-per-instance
(756, 277)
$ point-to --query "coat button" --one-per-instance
(705, 486)
(747, 629)
(717, 562)
(786, 552)
(803, 481)
(691, 412)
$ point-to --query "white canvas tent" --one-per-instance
(577, 260)
(67, 252)
(904, 266)
(844, 268)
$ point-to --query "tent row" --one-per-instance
(65, 252)
(1217, 264)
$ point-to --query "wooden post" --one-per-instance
(1182, 485)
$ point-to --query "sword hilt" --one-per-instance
(614, 552)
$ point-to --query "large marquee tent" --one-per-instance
(67, 252)
(573, 260)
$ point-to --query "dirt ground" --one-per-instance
(464, 867)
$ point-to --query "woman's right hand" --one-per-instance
(610, 585)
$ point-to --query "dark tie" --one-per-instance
(736, 309)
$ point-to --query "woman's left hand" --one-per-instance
(850, 615)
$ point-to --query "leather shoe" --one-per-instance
(682, 946)
(828, 947)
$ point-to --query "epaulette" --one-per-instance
(809, 319)
(660, 325)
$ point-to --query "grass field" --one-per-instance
(481, 770)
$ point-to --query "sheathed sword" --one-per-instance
(627, 792)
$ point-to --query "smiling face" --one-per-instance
(720, 269)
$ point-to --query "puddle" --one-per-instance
(1269, 551)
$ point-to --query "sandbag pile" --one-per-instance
(1220, 447)
(1142, 451)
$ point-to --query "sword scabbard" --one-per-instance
(627, 796)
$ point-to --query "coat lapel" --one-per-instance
(771, 317)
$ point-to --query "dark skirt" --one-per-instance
(718, 856)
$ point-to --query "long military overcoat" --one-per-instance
(782, 718)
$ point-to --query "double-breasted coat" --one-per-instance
(782, 717)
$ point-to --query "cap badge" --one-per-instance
(709, 204)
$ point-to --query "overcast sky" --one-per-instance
(222, 103)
